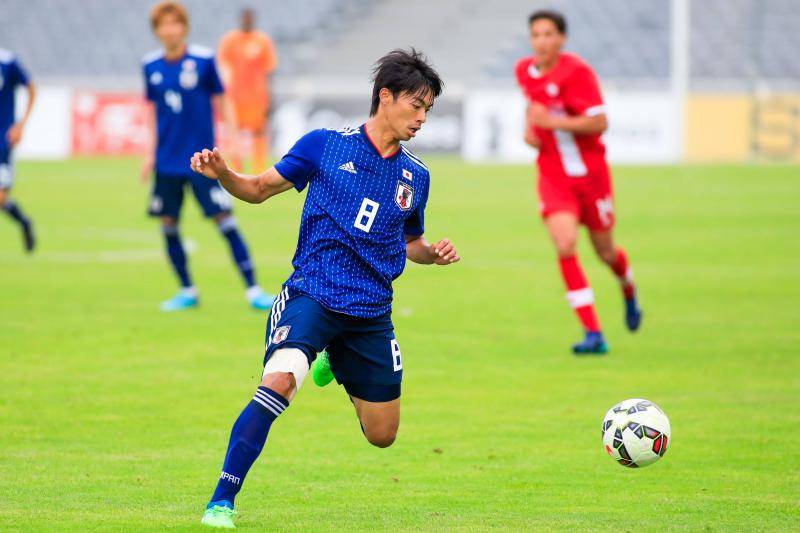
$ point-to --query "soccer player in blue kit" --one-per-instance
(363, 217)
(183, 85)
(12, 75)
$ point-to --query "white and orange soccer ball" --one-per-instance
(636, 433)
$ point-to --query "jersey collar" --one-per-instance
(373, 147)
(179, 59)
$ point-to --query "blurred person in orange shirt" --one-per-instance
(247, 58)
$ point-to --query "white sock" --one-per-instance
(189, 291)
(253, 292)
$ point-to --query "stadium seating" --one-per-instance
(469, 40)
(107, 39)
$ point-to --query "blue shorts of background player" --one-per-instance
(167, 196)
(363, 352)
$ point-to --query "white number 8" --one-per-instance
(397, 362)
(366, 215)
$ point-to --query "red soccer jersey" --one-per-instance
(569, 88)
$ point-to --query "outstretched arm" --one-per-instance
(252, 189)
(419, 250)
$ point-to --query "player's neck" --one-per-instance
(173, 53)
(545, 67)
(381, 136)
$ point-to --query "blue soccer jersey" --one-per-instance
(11, 76)
(181, 91)
(357, 212)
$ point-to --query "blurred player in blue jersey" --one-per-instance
(12, 75)
(183, 85)
(363, 217)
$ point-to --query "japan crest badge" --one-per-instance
(404, 196)
(280, 334)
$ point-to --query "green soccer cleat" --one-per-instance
(219, 515)
(321, 370)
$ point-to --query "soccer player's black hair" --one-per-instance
(553, 16)
(404, 71)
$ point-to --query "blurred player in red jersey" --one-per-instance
(247, 58)
(564, 121)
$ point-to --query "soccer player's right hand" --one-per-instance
(209, 163)
(531, 139)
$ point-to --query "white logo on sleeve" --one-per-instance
(348, 167)
(156, 78)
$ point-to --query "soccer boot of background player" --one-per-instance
(321, 370)
(219, 514)
(185, 299)
(633, 313)
(258, 299)
(592, 344)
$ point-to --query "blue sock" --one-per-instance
(241, 256)
(15, 212)
(248, 436)
(176, 254)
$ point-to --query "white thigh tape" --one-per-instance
(288, 360)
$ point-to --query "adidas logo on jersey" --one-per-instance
(348, 167)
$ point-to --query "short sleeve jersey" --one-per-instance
(181, 91)
(12, 75)
(248, 57)
(359, 208)
(569, 88)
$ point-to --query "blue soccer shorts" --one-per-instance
(363, 352)
(167, 196)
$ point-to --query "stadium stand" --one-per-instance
(626, 40)
(108, 37)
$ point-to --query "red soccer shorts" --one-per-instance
(590, 199)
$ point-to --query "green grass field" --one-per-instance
(115, 416)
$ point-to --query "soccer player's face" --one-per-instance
(546, 40)
(407, 113)
(170, 31)
(248, 20)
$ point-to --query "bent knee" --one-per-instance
(381, 438)
(282, 383)
(565, 247)
(607, 256)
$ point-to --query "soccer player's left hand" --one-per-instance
(14, 134)
(445, 253)
(539, 116)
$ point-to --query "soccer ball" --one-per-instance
(636, 433)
